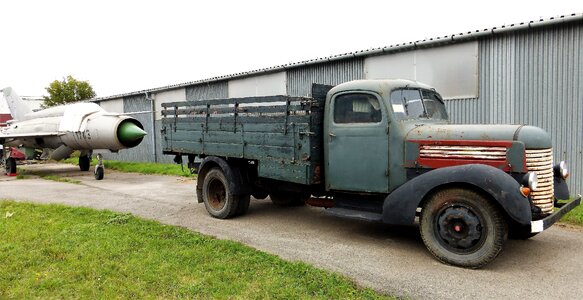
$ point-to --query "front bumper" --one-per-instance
(540, 225)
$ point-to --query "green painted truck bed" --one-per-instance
(282, 134)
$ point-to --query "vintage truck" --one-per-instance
(379, 150)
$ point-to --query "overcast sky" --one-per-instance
(126, 46)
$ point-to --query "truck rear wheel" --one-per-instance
(281, 198)
(218, 198)
(462, 228)
(243, 205)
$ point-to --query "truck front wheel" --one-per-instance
(218, 198)
(462, 228)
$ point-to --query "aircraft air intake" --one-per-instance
(130, 133)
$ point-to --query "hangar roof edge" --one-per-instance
(426, 43)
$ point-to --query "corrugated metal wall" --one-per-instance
(161, 158)
(215, 90)
(464, 111)
(533, 78)
(299, 81)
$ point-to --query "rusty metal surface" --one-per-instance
(320, 202)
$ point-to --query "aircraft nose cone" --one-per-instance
(128, 133)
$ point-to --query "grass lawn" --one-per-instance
(140, 167)
(52, 251)
(575, 216)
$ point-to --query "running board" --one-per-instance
(354, 214)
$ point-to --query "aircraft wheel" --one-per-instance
(84, 163)
(10, 165)
(99, 172)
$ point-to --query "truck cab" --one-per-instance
(367, 122)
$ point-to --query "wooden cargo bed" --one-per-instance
(282, 134)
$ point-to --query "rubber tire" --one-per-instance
(490, 218)
(215, 188)
(282, 198)
(10, 165)
(99, 173)
(243, 205)
(84, 163)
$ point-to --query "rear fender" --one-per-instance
(399, 207)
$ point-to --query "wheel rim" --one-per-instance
(459, 228)
(217, 194)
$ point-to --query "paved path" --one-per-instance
(389, 259)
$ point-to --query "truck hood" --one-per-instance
(532, 137)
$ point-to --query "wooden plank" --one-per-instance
(241, 119)
(229, 101)
(230, 111)
(246, 127)
(249, 141)
(259, 152)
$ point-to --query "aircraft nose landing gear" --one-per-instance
(99, 169)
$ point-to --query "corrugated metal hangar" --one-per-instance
(527, 73)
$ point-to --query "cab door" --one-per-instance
(356, 143)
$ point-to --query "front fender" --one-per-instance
(399, 207)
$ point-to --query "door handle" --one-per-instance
(331, 134)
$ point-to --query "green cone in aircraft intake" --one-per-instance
(129, 132)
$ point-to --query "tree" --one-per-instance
(67, 91)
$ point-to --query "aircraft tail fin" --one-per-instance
(18, 107)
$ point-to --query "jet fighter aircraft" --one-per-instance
(83, 126)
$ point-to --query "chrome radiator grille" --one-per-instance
(463, 152)
(541, 162)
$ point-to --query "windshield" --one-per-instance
(417, 103)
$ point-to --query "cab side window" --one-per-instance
(357, 108)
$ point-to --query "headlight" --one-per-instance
(530, 180)
(561, 170)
